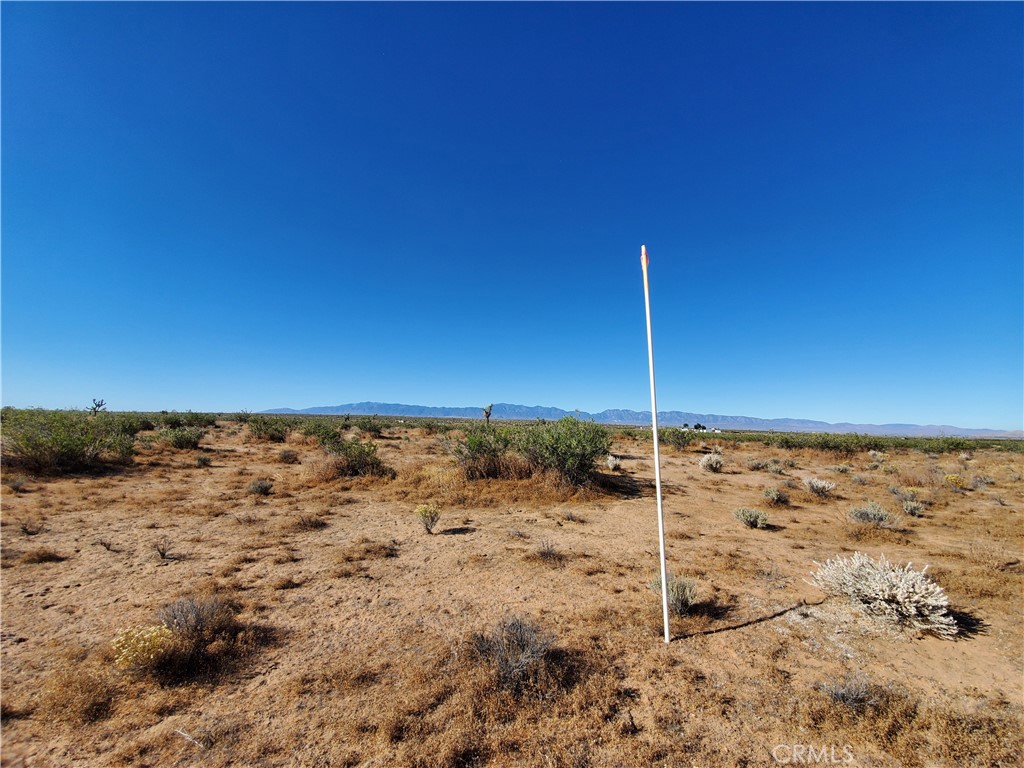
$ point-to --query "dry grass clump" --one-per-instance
(548, 553)
(367, 549)
(891, 593)
(42, 555)
(682, 593)
(78, 694)
(308, 523)
(874, 514)
(516, 649)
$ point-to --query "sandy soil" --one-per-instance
(359, 619)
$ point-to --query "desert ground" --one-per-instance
(353, 637)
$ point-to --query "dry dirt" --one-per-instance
(358, 621)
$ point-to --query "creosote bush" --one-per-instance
(183, 438)
(752, 518)
(269, 428)
(428, 515)
(568, 446)
(891, 593)
(682, 593)
(55, 442)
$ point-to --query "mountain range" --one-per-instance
(508, 411)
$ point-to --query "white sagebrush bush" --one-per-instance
(711, 462)
(818, 487)
(893, 593)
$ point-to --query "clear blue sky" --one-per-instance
(226, 206)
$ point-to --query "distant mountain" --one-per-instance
(510, 412)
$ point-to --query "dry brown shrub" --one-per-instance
(79, 693)
(367, 549)
(324, 469)
(866, 533)
(42, 555)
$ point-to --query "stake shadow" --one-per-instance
(748, 623)
(460, 531)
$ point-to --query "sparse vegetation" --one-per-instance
(515, 649)
(776, 497)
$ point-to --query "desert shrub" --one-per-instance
(356, 459)
(674, 436)
(183, 438)
(15, 482)
(682, 593)
(142, 647)
(752, 518)
(613, 462)
(171, 419)
(483, 452)
(568, 446)
(776, 497)
(913, 508)
(261, 487)
(891, 593)
(242, 417)
(78, 694)
(841, 469)
(711, 462)
(515, 649)
(548, 553)
(42, 555)
(204, 632)
(852, 692)
(872, 513)
(202, 460)
(191, 419)
(63, 441)
(981, 481)
(371, 425)
(288, 456)
(957, 481)
(272, 429)
(820, 488)
(428, 515)
(309, 523)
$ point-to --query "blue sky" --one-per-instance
(227, 206)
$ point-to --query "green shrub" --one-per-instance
(183, 438)
(568, 446)
(676, 437)
(270, 428)
(64, 441)
(354, 459)
(482, 452)
(202, 460)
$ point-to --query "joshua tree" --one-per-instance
(97, 406)
(487, 414)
